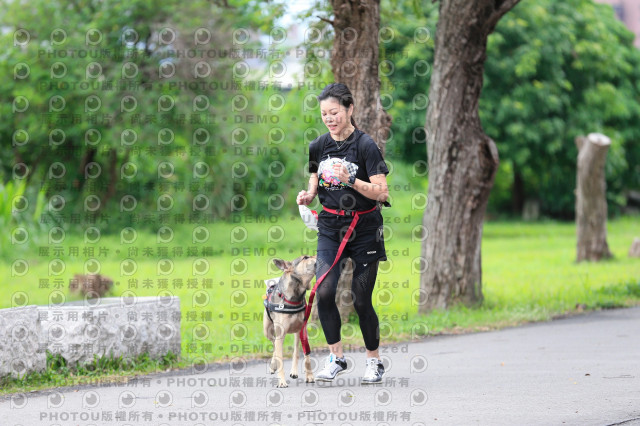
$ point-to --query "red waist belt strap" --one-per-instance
(304, 338)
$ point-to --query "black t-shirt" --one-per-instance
(359, 152)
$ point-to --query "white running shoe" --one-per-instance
(374, 371)
(332, 367)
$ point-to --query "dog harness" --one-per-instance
(285, 305)
(304, 338)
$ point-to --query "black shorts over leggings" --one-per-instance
(366, 248)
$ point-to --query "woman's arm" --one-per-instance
(377, 189)
(306, 197)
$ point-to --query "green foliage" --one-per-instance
(21, 209)
(410, 50)
(8, 192)
(554, 70)
(92, 117)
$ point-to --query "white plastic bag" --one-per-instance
(309, 219)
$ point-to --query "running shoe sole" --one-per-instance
(322, 379)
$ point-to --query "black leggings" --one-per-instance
(364, 279)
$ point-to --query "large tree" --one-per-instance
(462, 158)
(354, 62)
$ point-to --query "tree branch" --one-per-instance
(504, 6)
(326, 20)
(501, 8)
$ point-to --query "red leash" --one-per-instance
(304, 338)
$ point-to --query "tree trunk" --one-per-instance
(634, 250)
(113, 177)
(517, 193)
(354, 62)
(88, 157)
(462, 159)
(591, 201)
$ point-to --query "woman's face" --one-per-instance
(336, 117)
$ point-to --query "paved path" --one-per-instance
(579, 371)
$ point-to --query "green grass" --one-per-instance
(529, 274)
(100, 370)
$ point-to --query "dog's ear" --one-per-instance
(282, 264)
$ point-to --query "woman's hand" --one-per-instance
(305, 198)
(340, 171)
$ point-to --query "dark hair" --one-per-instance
(341, 93)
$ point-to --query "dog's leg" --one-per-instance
(307, 368)
(273, 366)
(278, 356)
(269, 332)
(294, 365)
(307, 361)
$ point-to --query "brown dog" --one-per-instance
(91, 285)
(288, 295)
